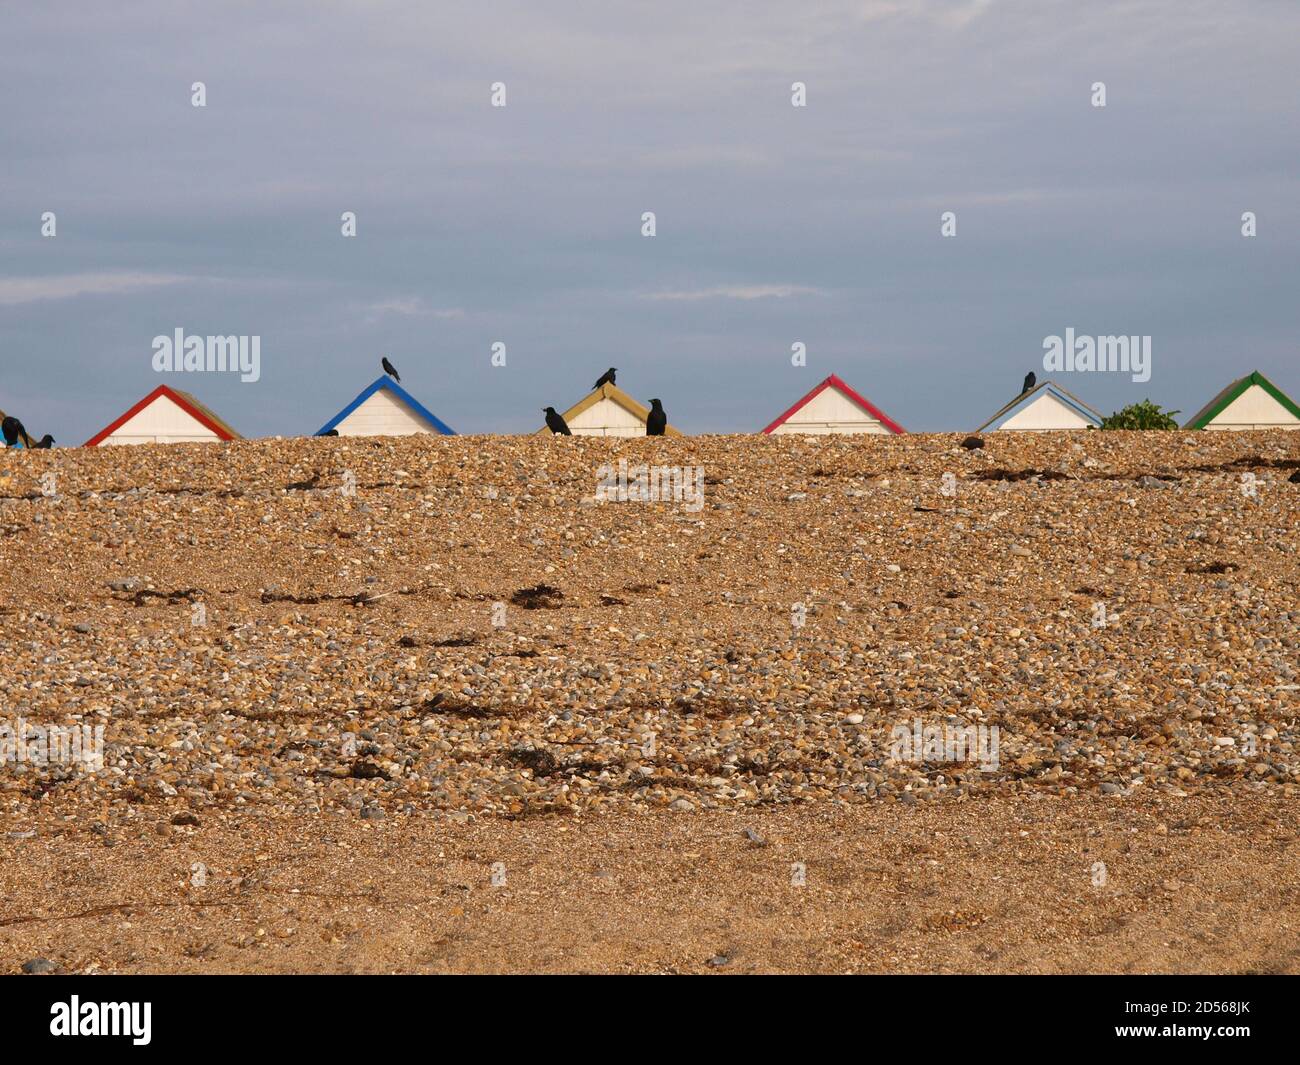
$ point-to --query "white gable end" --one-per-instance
(1254, 409)
(1044, 413)
(830, 411)
(383, 414)
(162, 422)
(606, 418)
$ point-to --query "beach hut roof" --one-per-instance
(392, 391)
(185, 402)
(872, 412)
(1233, 392)
(588, 409)
(1067, 410)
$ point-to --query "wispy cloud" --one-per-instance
(736, 292)
(16, 290)
(1005, 198)
(411, 307)
(951, 14)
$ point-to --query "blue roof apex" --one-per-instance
(401, 393)
(1051, 387)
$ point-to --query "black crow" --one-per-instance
(46, 441)
(657, 420)
(389, 369)
(1030, 380)
(330, 432)
(555, 422)
(606, 378)
(13, 431)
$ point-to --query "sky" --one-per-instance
(522, 224)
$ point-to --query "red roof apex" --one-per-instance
(184, 400)
(833, 381)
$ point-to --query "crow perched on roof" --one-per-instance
(555, 422)
(606, 378)
(46, 441)
(390, 369)
(1030, 380)
(13, 432)
(657, 420)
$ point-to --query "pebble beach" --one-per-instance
(306, 638)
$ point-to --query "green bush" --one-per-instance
(1144, 415)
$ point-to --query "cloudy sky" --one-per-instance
(522, 224)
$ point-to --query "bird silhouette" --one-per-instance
(555, 422)
(46, 441)
(657, 420)
(330, 432)
(390, 369)
(1030, 379)
(606, 378)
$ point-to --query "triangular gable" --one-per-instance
(1235, 391)
(612, 394)
(184, 401)
(1027, 399)
(398, 392)
(865, 405)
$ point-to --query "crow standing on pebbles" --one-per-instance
(14, 433)
(607, 378)
(555, 422)
(46, 441)
(657, 420)
(390, 370)
(1030, 380)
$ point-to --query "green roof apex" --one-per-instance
(1220, 403)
